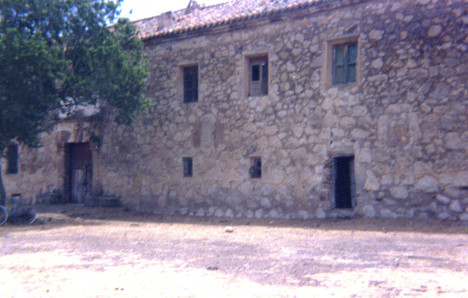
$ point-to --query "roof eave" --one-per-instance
(307, 9)
(239, 19)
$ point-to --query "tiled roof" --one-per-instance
(198, 17)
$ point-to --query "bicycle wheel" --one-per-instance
(3, 215)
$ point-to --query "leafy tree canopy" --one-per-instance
(56, 54)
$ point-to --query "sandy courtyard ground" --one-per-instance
(72, 251)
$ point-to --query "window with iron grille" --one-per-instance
(344, 63)
(255, 169)
(258, 76)
(190, 78)
(12, 159)
(188, 166)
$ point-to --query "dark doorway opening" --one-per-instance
(343, 174)
(78, 171)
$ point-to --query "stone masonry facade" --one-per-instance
(400, 121)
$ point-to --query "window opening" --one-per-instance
(12, 159)
(344, 63)
(258, 76)
(255, 167)
(188, 166)
(190, 74)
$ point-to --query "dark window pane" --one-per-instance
(264, 71)
(264, 87)
(339, 55)
(352, 73)
(352, 53)
(12, 159)
(188, 166)
(344, 63)
(190, 84)
(339, 75)
(255, 73)
(256, 168)
(265, 79)
(188, 81)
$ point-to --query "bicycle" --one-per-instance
(16, 213)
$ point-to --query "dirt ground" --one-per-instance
(76, 251)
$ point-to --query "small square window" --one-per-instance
(344, 60)
(190, 79)
(188, 166)
(12, 159)
(258, 76)
(255, 169)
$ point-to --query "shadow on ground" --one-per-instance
(77, 214)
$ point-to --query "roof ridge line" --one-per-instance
(178, 10)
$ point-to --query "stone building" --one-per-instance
(282, 109)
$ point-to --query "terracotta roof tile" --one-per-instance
(197, 17)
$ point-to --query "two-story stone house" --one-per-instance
(283, 109)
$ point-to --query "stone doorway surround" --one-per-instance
(69, 135)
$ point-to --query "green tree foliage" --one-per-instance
(57, 54)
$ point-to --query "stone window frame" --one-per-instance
(187, 163)
(255, 168)
(12, 157)
(182, 83)
(253, 60)
(331, 44)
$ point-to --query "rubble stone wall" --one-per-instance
(41, 171)
(404, 120)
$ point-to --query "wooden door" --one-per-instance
(80, 171)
